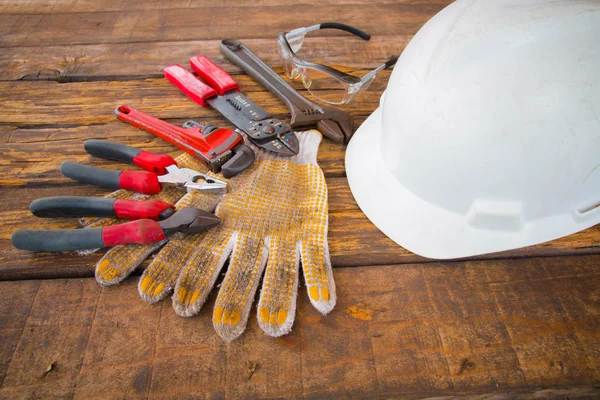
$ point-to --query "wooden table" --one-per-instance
(515, 324)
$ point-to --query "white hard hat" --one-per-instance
(488, 135)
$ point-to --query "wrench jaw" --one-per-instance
(341, 119)
(242, 158)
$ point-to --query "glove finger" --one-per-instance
(120, 261)
(318, 273)
(234, 301)
(316, 264)
(277, 304)
(160, 277)
(201, 271)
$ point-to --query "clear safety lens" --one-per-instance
(324, 86)
(290, 69)
(295, 38)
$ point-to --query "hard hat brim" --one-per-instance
(426, 229)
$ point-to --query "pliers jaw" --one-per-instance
(188, 178)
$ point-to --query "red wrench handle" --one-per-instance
(213, 74)
(189, 84)
(188, 140)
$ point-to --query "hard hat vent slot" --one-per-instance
(496, 215)
(589, 208)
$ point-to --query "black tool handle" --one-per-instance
(111, 150)
(72, 206)
(240, 55)
(58, 240)
(91, 175)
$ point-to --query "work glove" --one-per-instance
(274, 217)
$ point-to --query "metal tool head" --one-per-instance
(190, 220)
(207, 184)
(332, 122)
(188, 178)
(231, 162)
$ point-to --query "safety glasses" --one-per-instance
(323, 82)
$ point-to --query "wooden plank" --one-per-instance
(86, 6)
(116, 61)
(207, 23)
(43, 103)
(353, 239)
(411, 331)
(32, 156)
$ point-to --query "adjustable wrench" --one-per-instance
(332, 122)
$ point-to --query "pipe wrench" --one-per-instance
(222, 150)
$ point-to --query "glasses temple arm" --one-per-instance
(389, 63)
(355, 31)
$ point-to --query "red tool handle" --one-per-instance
(139, 181)
(213, 74)
(132, 209)
(143, 231)
(187, 139)
(189, 84)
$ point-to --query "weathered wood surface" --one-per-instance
(205, 23)
(440, 329)
(353, 239)
(517, 324)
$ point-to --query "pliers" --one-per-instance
(143, 232)
(160, 169)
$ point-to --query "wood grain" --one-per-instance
(515, 325)
(26, 103)
(204, 23)
(86, 6)
(114, 61)
(416, 330)
(353, 239)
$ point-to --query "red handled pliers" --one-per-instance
(160, 169)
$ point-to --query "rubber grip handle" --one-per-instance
(143, 231)
(58, 240)
(111, 150)
(189, 84)
(91, 175)
(72, 206)
(151, 162)
(213, 74)
(138, 181)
